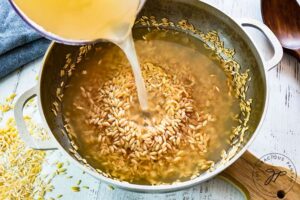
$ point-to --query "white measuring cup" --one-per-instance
(60, 39)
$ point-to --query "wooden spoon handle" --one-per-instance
(258, 180)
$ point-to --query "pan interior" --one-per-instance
(203, 18)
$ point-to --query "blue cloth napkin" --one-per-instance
(19, 43)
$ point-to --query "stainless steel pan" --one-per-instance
(203, 17)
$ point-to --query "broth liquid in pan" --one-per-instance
(171, 61)
(186, 124)
(90, 20)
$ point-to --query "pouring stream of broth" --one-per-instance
(89, 20)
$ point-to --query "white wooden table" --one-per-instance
(280, 132)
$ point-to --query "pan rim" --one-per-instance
(181, 185)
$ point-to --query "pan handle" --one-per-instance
(278, 52)
(30, 141)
